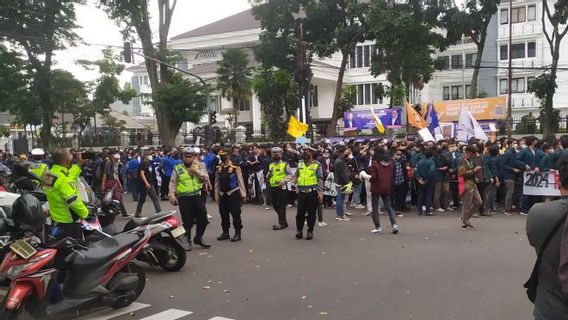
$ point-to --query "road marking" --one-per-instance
(113, 313)
(170, 314)
(220, 318)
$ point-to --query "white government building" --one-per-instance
(202, 49)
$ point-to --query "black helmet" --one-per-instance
(28, 213)
(21, 167)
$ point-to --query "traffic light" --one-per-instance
(127, 51)
(213, 117)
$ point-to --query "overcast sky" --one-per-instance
(97, 29)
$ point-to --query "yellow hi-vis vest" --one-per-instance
(187, 185)
(277, 173)
(308, 175)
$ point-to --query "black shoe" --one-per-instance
(299, 235)
(278, 227)
(309, 236)
(236, 237)
(201, 244)
(223, 236)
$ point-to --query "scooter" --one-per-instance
(99, 274)
(167, 246)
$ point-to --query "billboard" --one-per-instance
(361, 120)
(494, 108)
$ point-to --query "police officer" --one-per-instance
(309, 182)
(66, 207)
(186, 183)
(279, 174)
(38, 166)
(230, 194)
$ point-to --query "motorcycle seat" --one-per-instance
(102, 251)
(136, 222)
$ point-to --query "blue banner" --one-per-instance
(363, 120)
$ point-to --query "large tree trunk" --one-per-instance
(235, 113)
(331, 130)
(549, 121)
(475, 77)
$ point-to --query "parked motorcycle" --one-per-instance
(99, 274)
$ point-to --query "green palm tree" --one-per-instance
(234, 77)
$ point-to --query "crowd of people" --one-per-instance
(377, 175)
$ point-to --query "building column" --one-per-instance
(256, 115)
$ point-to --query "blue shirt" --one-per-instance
(169, 163)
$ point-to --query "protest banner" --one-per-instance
(543, 183)
(481, 109)
(363, 120)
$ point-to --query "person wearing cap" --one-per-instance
(309, 181)
(279, 174)
(230, 193)
(185, 187)
(38, 166)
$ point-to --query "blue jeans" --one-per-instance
(425, 195)
(340, 204)
(356, 199)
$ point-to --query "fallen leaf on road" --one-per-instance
(251, 251)
(220, 282)
(209, 281)
(323, 252)
(132, 314)
(206, 287)
(310, 307)
(171, 296)
(304, 297)
(226, 291)
(258, 267)
(203, 253)
(323, 313)
(251, 259)
(426, 238)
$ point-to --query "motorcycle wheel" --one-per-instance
(132, 268)
(174, 259)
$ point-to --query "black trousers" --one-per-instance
(165, 185)
(454, 193)
(279, 203)
(399, 198)
(307, 204)
(481, 186)
(192, 208)
(230, 206)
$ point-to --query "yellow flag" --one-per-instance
(414, 118)
(377, 121)
(296, 128)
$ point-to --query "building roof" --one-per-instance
(240, 21)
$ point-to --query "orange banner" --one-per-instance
(494, 108)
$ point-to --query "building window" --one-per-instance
(468, 91)
(531, 49)
(470, 60)
(517, 85)
(519, 14)
(313, 96)
(445, 63)
(362, 57)
(518, 51)
(531, 13)
(446, 93)
(504, 52)
(529, 82)
(504, 16)
(457, 92)
(366, 94)
(243, 104)
(378, 93)
(457, 61)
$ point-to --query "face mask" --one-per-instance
(350, 156)
(523, 146)
(515, 146)
(550, 151)
(149, 158)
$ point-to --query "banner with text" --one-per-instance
(544, 183)
(362, 120)
(494, 108)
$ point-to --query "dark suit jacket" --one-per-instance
(550, 304)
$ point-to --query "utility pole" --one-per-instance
(510, 75)
(303, 79)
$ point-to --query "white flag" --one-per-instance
(469, 128)
(426, 135)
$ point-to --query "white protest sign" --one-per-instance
(544, 183)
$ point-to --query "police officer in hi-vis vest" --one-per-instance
(309, 182)
(230, 193)
(185, 187)
(38, 166)
(279, 174)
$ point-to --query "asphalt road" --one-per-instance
(431, 270)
